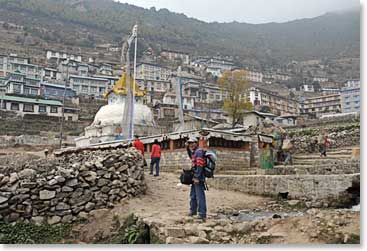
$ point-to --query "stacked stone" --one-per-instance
(67, 188)
(340, 136)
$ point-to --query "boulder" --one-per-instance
(89, 206)
(198, 240)
(27, 173)
(13, 178)
(54, 220)
(172, 240)
(3, 199)
(177, 232)
(47, 194)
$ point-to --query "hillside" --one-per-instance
(331, 35)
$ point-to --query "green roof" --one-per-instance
(32, 100)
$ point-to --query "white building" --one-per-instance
(30, 106)
(350, 99)
(72, 67)
(353, 83)
(49, 74)
(171, 99)
(255, 76)
(18, 83)
(307, 88)
(148, 71)
(62, 55)
(317, 106)
(89, 86)
(215, 71)
(320, 79)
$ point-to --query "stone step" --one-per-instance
(293, 166)
(234, 172)
(329, 156)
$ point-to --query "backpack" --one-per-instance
(186, 177)
(209, 168)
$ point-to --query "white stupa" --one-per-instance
(106, 126)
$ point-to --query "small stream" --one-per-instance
(252, 216)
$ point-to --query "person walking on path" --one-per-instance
(155, 158)
(140, 146)
(288, 150)
(197, 192)
(323, 142)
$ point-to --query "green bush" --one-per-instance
(28, 233)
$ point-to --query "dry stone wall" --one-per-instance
(69, 187)
(341, 136)
(310, 187)
(227, 159)
(321, 168)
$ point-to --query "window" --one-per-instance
(3, 104)
(26, 91)
(42, 109)
(28, 108)
(16, 88)
(93, 89)
(34, 92)
(70, 118)
(85, 88)
(14, 107)
(54, 109)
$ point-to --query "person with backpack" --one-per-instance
(197, 192)
(155, 158)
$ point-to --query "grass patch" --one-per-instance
(29, 233)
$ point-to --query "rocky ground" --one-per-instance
(233, 217)
(165, 206)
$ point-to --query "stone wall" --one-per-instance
(67, 188)
(312, 187)
(227, 159)
(321, 168)
(341, 136)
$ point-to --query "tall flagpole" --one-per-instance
(127, 120)
(133, 99)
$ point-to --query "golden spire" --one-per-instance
(120, 87)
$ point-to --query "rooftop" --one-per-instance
(31, 100)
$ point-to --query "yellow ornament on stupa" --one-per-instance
(120, 87)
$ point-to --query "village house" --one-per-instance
(278, 104)
(149, 71)
(58, 55)
(18, 83)
(317, 106)
(56, 91)
(320, 79)
(350, 99)
(89, 86)
(173, 55)
(307, 88)
(255, 76)
(31, 106)
(72, 67)
(50, 74)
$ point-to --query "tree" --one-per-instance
(236, 84)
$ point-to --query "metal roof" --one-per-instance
(31, 100)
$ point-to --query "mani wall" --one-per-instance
(68, 187)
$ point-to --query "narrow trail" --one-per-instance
(166, 203)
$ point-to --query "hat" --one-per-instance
(192, 140)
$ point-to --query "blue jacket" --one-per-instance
(198, 163)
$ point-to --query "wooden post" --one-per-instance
(171, 145)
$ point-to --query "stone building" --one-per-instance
(232, 149)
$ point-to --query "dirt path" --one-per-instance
(167, 203)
